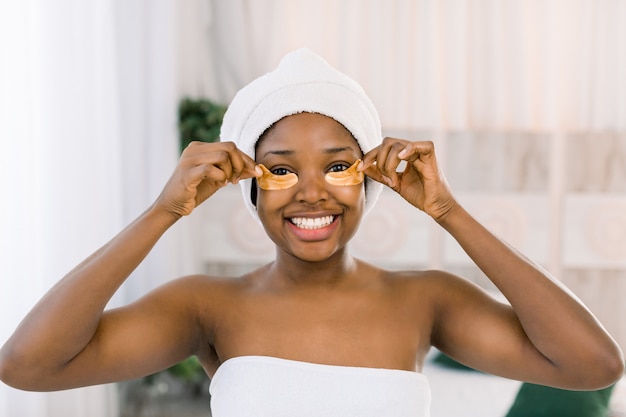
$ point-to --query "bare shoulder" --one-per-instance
(200, 292)
(436, 284)
(446, 294)
(200, 302)
(200, 283)
(459, 312)
(193, 301)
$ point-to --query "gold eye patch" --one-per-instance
(269, 181)
(348, 177)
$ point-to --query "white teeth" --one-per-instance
(308, 223)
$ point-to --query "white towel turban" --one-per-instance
(302, 82)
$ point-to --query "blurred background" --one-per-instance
(525, 100)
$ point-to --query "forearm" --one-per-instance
(554, 320)
(64, 321)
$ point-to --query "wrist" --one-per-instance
(447, 213)
(162, 215)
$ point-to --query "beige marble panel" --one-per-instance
(498, 162)
(394, 234)
(604, 292)
(229, 234)
(519, 219)
(594, 231)
(596, 163)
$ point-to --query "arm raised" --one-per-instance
(546, 335)
(68, 340)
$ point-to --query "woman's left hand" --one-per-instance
(421, 182)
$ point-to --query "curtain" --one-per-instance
(87, 139)
(537, 65)
(60, 165)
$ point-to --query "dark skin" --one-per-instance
(314, 302)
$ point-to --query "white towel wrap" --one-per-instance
(302, 82)
(263, 386)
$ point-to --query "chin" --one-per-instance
(314, 254)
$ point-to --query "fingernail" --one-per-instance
(258, 171)
(403, 153)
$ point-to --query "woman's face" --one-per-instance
(313, 219)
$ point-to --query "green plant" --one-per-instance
(189, 370)
(199, 120)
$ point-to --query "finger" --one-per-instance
(234, 165)
(206, 164)
(251, 168)
(389, 167)
(417, 150)
(421, 156)
(369, 159)
(226, 157)
(223, 161)
(369, 166)
(205, 172)
(243, 166)
(388, 161)
(375, 174)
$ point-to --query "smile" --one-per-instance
(312, 223)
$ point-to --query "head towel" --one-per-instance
(302, 82)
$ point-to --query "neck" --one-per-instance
(337, 270)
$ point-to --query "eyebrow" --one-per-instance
(326, 151)
(338, 150)
(279, 152)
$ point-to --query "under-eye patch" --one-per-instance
(348, 177)
(270, 181)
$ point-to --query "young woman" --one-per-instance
(316, 332)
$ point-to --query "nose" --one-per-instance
(311, 188)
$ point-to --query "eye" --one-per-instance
(280, 171)
(339, 167)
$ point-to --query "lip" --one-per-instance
(312, 235)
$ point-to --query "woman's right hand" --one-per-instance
(204, 168)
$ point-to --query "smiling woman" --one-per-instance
(316, 331)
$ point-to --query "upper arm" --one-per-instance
(146, 336)
(476, 329)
